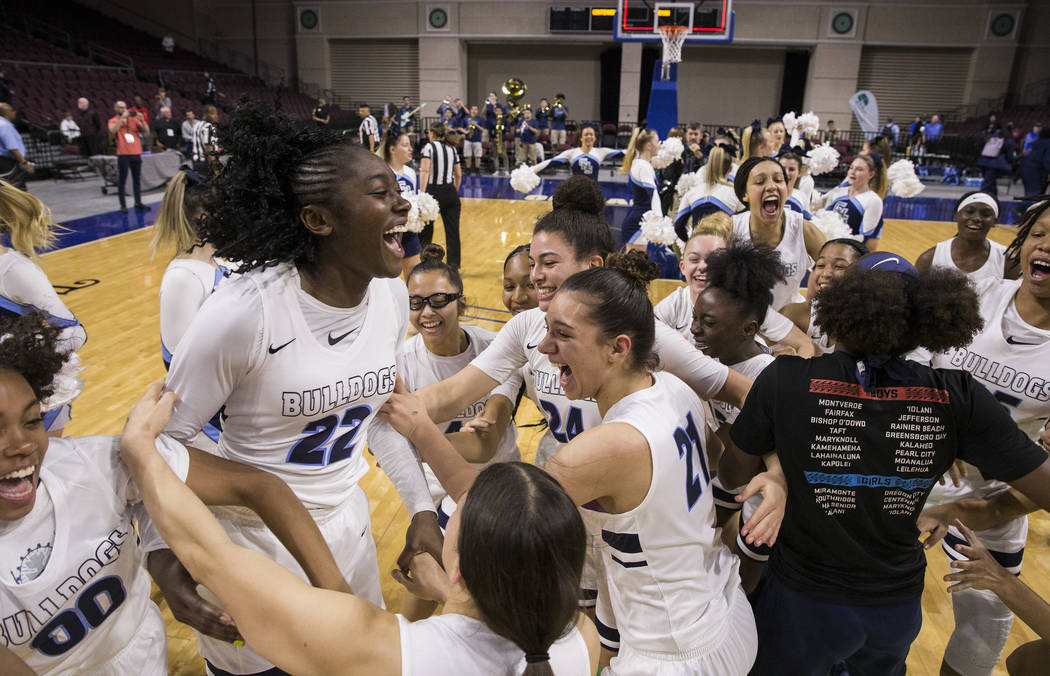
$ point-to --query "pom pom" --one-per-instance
(831, 224)
(687, 183)
(67, 384)
(822, 159)
(429, 209)
(903, 181)
(790, 121)
(658, 229)
(416, 218)
(524, 179)
(670, 151)
(808, 123)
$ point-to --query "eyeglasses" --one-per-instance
(434, 300)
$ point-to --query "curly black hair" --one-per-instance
(29, 347)
(1013, 252)
(746, 272)
(881, 312)
(275, 169)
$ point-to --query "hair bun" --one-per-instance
(580, 193)
(635, 265)
(432, 252)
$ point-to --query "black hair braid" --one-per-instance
(1013, 252)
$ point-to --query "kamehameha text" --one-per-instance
(340, 394)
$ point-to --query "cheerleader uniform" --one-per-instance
(410, 184)
(25, 289)
(420, 367)
(581, 163)
(793, 254)
(457, 645)
(673, 586)
(799, 202)
(74, 595)
(642, 179)
(862, 213)
(1012, 360)
(700, 202)
(991, 270)
(300, 383)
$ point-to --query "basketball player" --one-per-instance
(519, 293)
(24, 287)
(859, 203)
(1011, 358)
(529, 626)
(74, 597)
(794, 172)
(671, 584)
(441, 347)
(970, 251)
(397, 152)
(644, 145)
(368, 132)
(861, 596)
(762, 187)
(584, 159)
(833, 260)
(300, 350)
(713, 193)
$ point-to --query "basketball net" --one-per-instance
(672, 37)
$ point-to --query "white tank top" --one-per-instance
(92, 597)
(670, 577)
(793, 254)
(992, 268)
(676, 311)
(457, 645)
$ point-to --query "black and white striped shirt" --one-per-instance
(443, 160)
(204, 140)
(368, 127)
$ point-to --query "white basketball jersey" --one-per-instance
(185, 280)
(726, 413)
(676, 311)
(992, 268)
(92, 597)
(670, 577)
(303, 411)
(457, 645)
(793, 254)
(420, 367)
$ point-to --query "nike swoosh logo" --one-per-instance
(682, 328)
(886, 260)
(275, 350)
(530, 347)
(1014, 341)
(333, 341)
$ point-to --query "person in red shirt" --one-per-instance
(125, 127)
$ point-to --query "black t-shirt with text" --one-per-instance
(169, 132)
(859, 466)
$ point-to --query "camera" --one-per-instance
(133, 113)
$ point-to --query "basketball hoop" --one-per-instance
(672, 38)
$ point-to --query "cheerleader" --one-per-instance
(754, 143)
(970, 251)
(24, 287)
(859, 203)
(509, 593)
(833, 260)
(714, 193)
(397, 153)
(671, 583)
(644, 145)
(73, 593)
(798, 199)
(441, 347)
(777, 136)
(762, 187)
(300, 350)
(1009, 356)
(584, 159)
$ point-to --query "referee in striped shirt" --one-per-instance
(368, 132)
(440, 174)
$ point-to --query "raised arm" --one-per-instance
(480, 442)
(814, 239)
(301, 629)
(445, 399)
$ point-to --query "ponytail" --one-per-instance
(752, 142)
(639, 137)
(180, 209)
(719, 162)
(26, 219)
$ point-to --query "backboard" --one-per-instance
(707, 20)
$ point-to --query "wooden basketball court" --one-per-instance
(122, 356)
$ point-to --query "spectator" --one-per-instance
(932, 131)
(163, 100)
(167, 43)
(993, 124)
(205, 142)
(321, 115)
(140, 108)
(831, 134)
(13, 163)
(210, 92)
(1035, 165)
(995, 159)
(693, 154)
(166, 131)
(891, 131)
(368, 132)
(126, 127)
(92, 142)
(187, 133)
(1030, 138)
(5, 87)
(69, 128)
